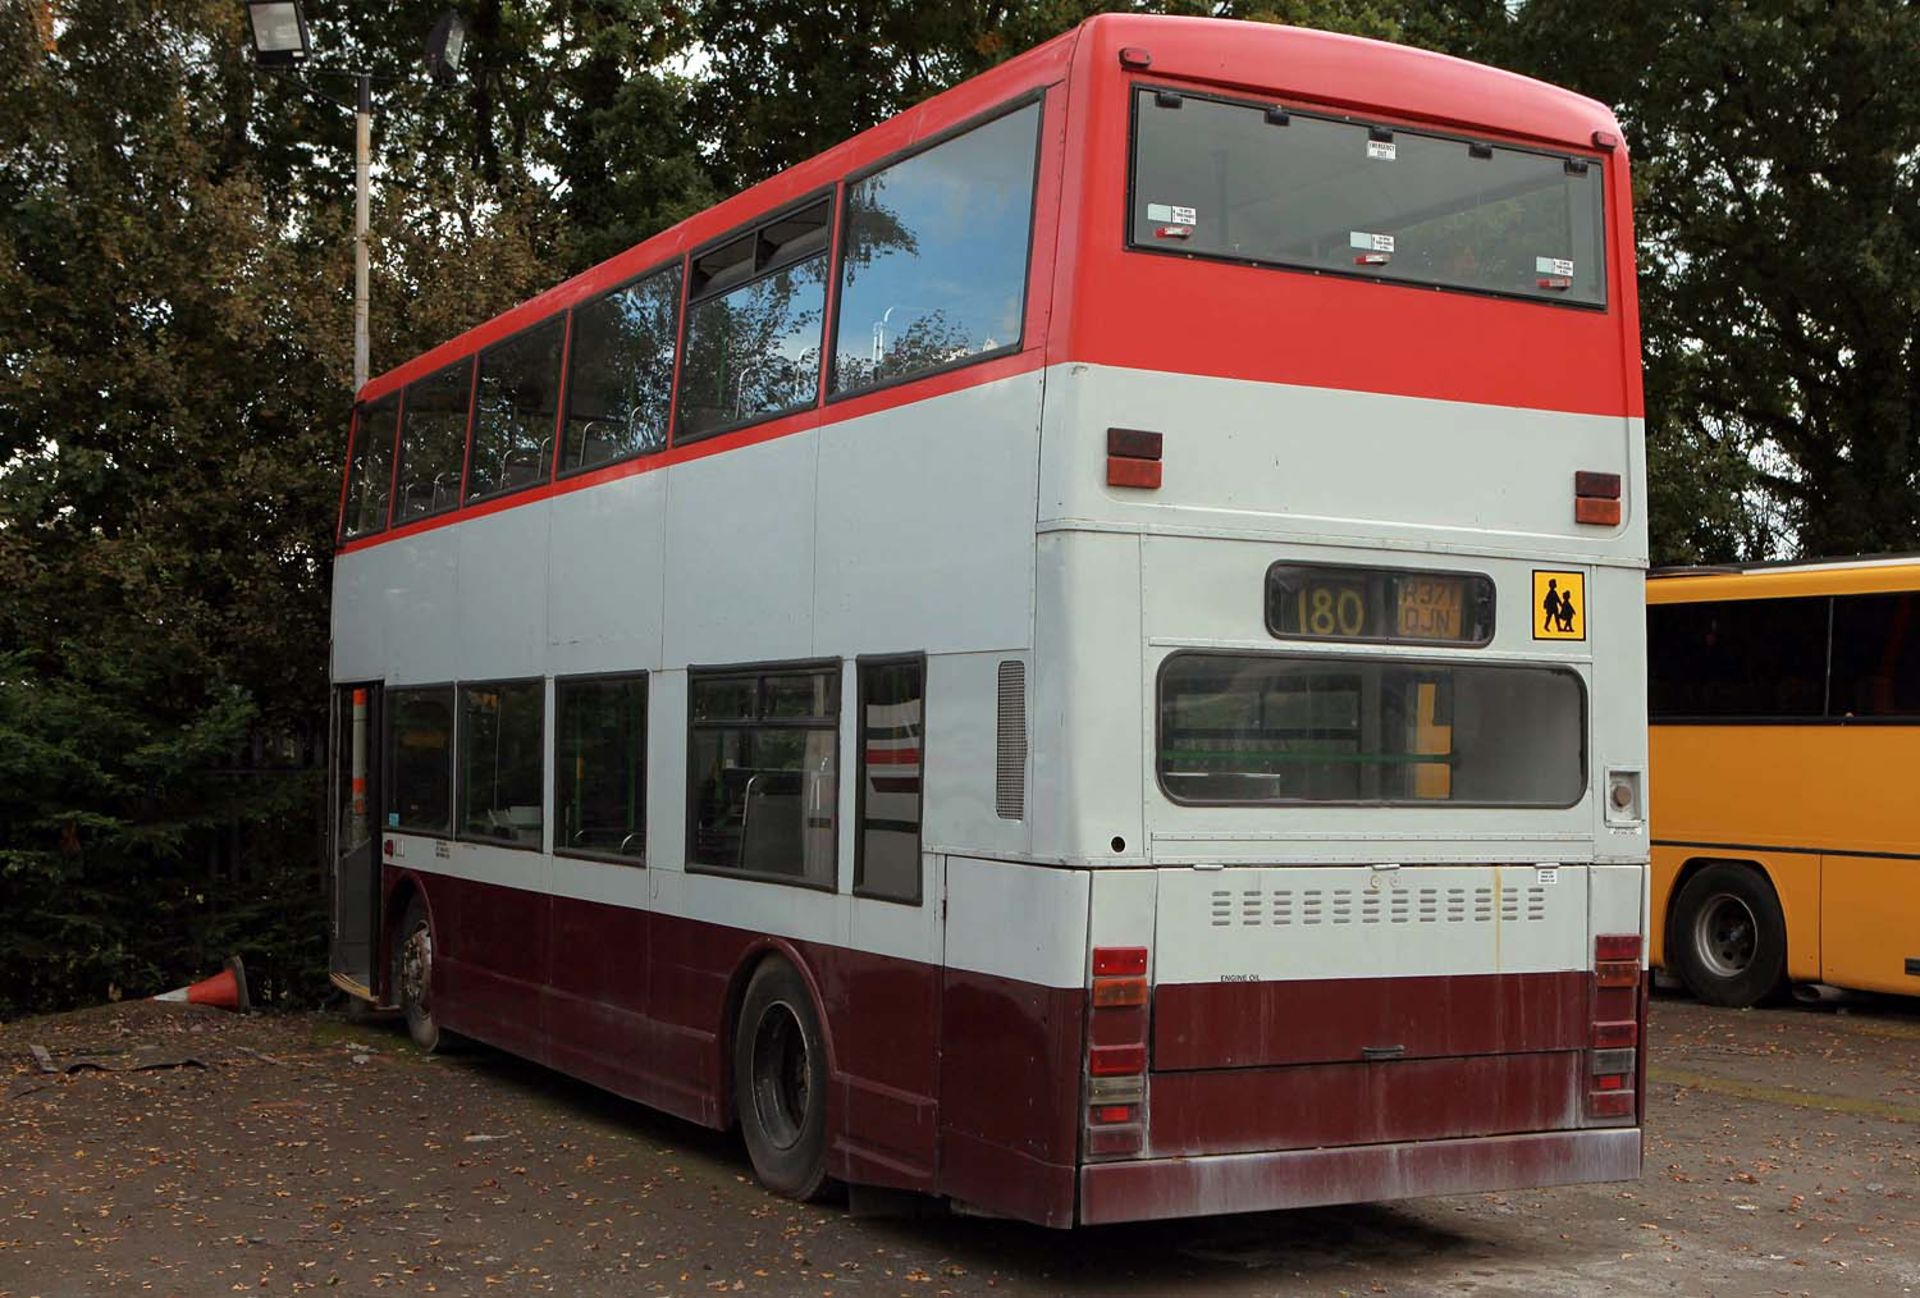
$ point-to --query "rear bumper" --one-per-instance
(1303, 1178)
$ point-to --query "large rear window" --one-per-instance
(1267, 184)
(1266, 728)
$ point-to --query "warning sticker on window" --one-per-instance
(1172, 214)
(1384, 150)
(1561, 266)
(1369, 242)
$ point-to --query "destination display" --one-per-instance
(1332, 602)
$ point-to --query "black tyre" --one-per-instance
(413, 978)
(1729, 938)
(780, 1082)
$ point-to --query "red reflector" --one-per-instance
(1113, 993)
(1134, 443)
(1124, 472)
(1617, 946)
(1601, 486)
(389, 847)
(1610, 1082)
(1610, 1104)
(1603, 513)
(1119, 960)
(1117, 1061)
(1617, 973)
(1114, 1140)
(1614, 1036)
(1112, 1113)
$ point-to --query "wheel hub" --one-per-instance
(416, 967)
(781, 1079)
(1726, 936)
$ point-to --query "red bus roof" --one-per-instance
(1324, 67)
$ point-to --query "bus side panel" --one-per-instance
(1012, 1019)
(883, 1015)
(1867, 910)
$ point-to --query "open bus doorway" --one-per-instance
(356, 817)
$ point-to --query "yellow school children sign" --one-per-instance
(1559, 605)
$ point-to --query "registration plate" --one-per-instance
(1430, 608)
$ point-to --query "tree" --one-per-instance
(1777, 174)
(174, 345)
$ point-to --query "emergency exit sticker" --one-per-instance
(1382, 150)
(1559, 605)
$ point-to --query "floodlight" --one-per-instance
(279, 32)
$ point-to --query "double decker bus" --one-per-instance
(1079, 652)
(1785, 705)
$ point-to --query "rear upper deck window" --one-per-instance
(1267, 184)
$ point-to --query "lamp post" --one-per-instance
(281, 42)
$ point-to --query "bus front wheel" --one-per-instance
(1729, 936)
(780, 1082)
(413, 978)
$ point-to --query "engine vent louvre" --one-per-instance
(1010, 744)
(1282, 907)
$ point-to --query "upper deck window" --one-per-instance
(934, 269)
(433, 442)
(755, 320)
(370, 472)
(518, 403)
(620, 372)
(1266, 184)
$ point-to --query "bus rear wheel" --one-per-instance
(780, 1082)
(1729, 937)
(413, 978)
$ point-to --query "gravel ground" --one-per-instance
(209, 1153)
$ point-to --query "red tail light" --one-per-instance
(1119, 960)
(1611, 1036)
(1617, 973)
(1118, 993)
(1116, 1068)
(1617, 946)
(1117, 1061)
(1613, 1062)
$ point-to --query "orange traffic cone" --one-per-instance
(226, 990)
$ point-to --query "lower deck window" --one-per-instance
(763, 772)
(501, 738)
(600, 776)
(1265, 728)
(420, 759)
(886, 860)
